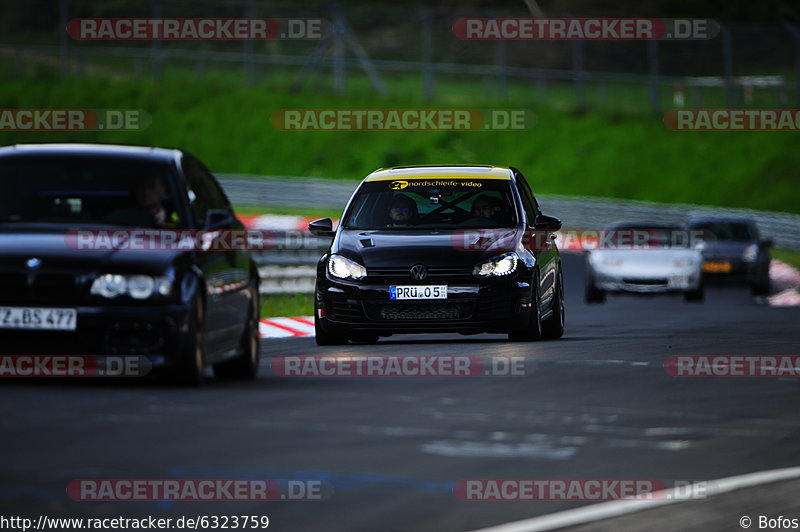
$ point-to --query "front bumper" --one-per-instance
(155, 332)
(496, 305)
(650, 284)
(740, 272)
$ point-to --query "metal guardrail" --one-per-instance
(280, 191)
(592, 213)
(289, 267)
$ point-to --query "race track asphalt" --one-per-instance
(597, 404)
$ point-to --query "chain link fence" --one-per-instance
(396, 48)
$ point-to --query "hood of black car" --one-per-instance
(725, 249)
(445, 248)
(54, 249)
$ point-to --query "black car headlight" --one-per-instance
(499, 266)
(344, 268)
(750, 253)
(111, 285)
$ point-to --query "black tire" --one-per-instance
(761, 287)
(533, 330)
(695, 296)
(324, 337)
(553, 327)
(592, 294)
(192, 362)
(245, 366)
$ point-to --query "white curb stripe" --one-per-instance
(292, 323)
(266, 330)
(607, 510)
(301, 326)
(788, 280)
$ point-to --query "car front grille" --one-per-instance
(435, 274)
(419, 311)
(41, 287)
(648, 282)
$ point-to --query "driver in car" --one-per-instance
(402, 211)
(149, 211)
(484, 207)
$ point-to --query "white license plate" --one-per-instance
(47, 319)
(418, 292)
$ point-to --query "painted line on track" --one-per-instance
(611, 509)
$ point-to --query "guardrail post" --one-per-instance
(63, 38)
(338, 53)
(500, 59)
(500, 62)
(602, 92)
(796, 37)
(18, 62)
(247, 46)
(200, 67)
(578, 73)
(697, 97)
(426, 49)
(155, 50)
(541, 88)
(727, 64)
(653, 59)
(782, 96)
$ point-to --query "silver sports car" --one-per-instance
(643, 258)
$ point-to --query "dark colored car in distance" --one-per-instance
(734, 251)
(438, 249)
(181, 309)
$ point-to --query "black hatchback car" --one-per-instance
(733, 251)
(66, 291)
(436, 249)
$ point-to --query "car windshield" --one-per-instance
(82, 190)
(651, 236)
(432, 203)
(729, 231)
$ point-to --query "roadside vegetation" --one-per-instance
(620, 151)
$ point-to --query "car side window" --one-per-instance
(528, 201)
(204, 192)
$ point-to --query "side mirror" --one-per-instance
(322, 227)
(218, 219)
(547, 223)
(767, 243)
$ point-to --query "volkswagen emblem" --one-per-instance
(33, 263)
(419, 272)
